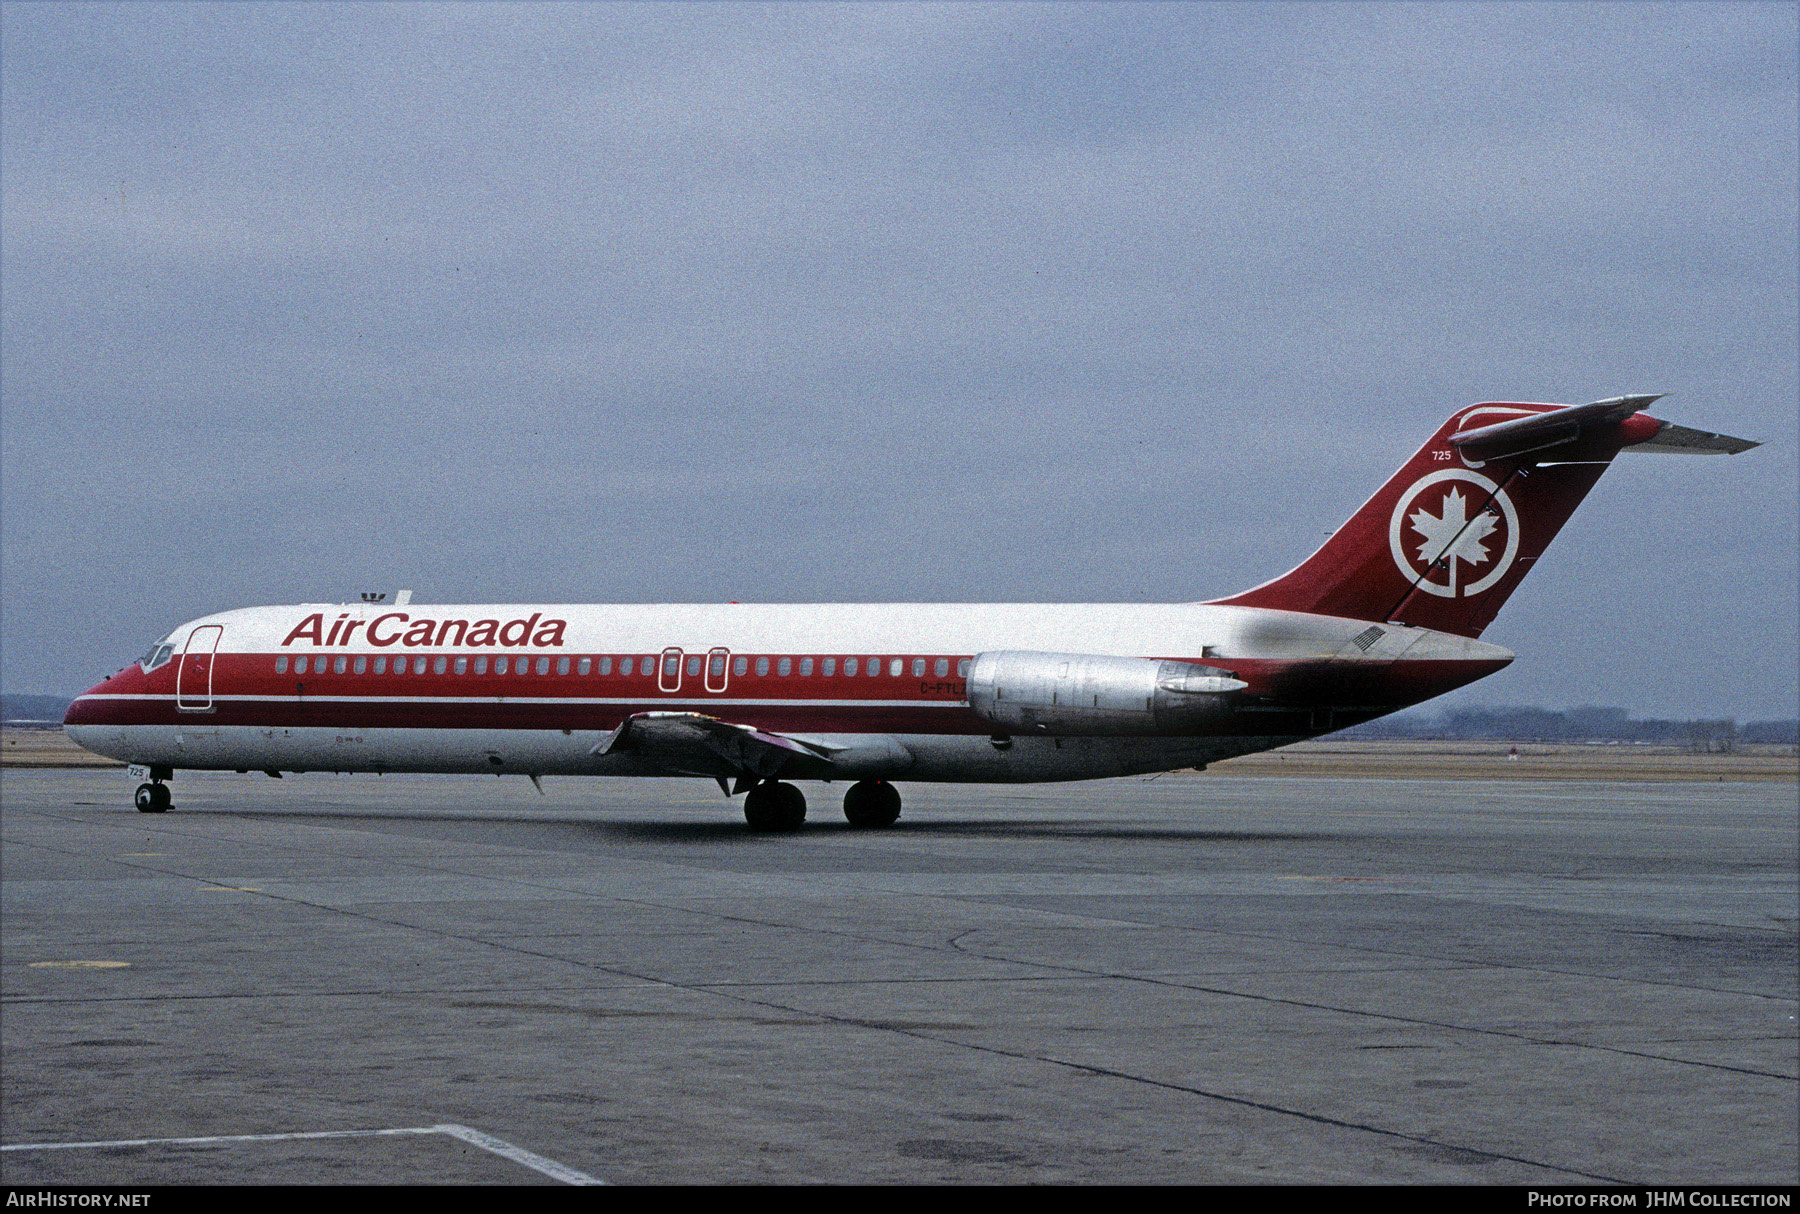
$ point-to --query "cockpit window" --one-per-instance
(159, 653)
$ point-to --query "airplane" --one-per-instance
(1386, 614)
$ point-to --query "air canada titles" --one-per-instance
(399, 628)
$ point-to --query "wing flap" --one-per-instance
(685, 741)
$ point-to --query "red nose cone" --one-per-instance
(88, 709)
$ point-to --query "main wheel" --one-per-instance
(152, 798)
(872, 803)
(774, 807)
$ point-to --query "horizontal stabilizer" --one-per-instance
(1539, 431)
(1680, 440)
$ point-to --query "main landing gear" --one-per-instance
(773, 806)
(152, 798)
(872, 803)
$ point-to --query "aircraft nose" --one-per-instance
(81, 710)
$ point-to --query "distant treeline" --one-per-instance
(1589, 724)
(33, 709)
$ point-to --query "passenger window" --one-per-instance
(874, 667)
(941, 667)
(894, 668)
(380, 665)
(300, 665)
(648, 666)
(918, 668)
(361, 665)
(785, 667)
(716, 667)
(740, 664)
(762, 666)
(340, 664)
(499, 665)
(419, 664)
(624, 665)
(462, 666)
(480, 665)
(584, 666)
(850, 665)
(562, 665)
(543, 665)
(693, 666)
(828, 667)
(962, 668)
(606, 666)
(281, 664)
(437, 667)
(805, 667)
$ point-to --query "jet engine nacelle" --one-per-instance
(1086, 694)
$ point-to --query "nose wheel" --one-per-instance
(774, 806)
(152, 798)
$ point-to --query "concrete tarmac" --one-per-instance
(1177, 980)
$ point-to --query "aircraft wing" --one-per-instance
(692, 743)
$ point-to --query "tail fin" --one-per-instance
(1446, 540)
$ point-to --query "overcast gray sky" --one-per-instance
(870, 302)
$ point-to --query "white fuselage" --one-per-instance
(879, 688)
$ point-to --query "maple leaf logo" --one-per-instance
(1453, 528)
(1452, 536)
(1463, 548)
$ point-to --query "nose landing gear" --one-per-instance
(152, 798)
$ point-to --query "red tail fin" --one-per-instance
(1446, 540)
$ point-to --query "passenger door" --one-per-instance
(194, 679)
